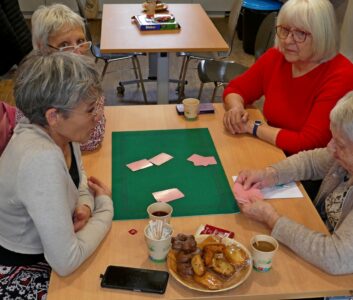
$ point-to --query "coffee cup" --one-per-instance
(263, 249)
(158, 248)
(160, 211)
(191, 108)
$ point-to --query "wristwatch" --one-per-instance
(256, 125)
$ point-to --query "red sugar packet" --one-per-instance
(209, 229)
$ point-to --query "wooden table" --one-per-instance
(197, 34)
(291, 277)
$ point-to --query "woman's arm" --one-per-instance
(331, 253)
(50, 198)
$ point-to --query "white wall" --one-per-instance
(28, 6)
(346, 32)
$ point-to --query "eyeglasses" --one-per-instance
(299, 36)
(96, 111)
(83, 47)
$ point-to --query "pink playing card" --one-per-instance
(168, 195)
(160, 159)
(246, 196)
(199, 160)
(138, 165)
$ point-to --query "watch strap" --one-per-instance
(256, 126)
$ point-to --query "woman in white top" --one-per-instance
(51, 215)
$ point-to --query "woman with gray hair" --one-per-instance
(301, 78)
(58, 28)
(51, 215)
(334, 164)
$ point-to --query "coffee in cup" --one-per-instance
(263, 249)
(160, 211)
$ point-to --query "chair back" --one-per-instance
(81, 12)
(232, 22)
(265, 37)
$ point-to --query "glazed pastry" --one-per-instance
(222, 267)
(235, 255)
(198, 265)
(209, 280)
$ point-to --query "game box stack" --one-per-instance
(158, 22)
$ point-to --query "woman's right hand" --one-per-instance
(258, 178)
(98, 187)
(236, 117)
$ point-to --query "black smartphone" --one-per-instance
(205, 108)
(135, 279)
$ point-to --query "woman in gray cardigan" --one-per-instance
(332, 253)
(51, 215)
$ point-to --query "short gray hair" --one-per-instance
(318, 18)
(47, 20)
(341, 116)
(59, 79)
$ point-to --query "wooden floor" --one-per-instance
(122, 70)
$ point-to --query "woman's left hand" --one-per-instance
(81, 216)
(260, 211)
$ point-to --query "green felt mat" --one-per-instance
(206, 189)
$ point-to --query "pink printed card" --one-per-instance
(138, 165)
(199, 160)
(160, 159)
(168, 195)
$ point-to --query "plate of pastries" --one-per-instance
(208, 263)
(160, 6)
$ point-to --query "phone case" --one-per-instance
(135, 279)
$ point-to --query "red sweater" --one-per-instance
(299, 106)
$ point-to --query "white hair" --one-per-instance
(318, 18)
(47, 20)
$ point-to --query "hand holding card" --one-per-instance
(246, 196)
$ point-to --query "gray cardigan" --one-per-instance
(38, 198)
(332, 253)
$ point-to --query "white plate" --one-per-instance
(237, 279)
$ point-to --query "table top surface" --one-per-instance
(291, 276)
(197, 34)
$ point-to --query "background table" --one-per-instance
(291, 277)
(197, 34)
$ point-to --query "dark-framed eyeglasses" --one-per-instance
(83, 47)
(299, 36)
(96, 111)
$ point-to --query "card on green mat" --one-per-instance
(206, 189)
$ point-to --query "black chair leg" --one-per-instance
(200, 90)
(181, 73)
(140, 77)
(182, 83)
(214, 91)
(104, 69)
(135, 71)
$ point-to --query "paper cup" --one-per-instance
(160, 211)
(158, 249)
(191, 108)
(263, 248)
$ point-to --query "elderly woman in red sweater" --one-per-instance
(301, 79)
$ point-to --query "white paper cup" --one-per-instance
(160, 211)
(158, 249)
(262, 252)
(191, 108)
